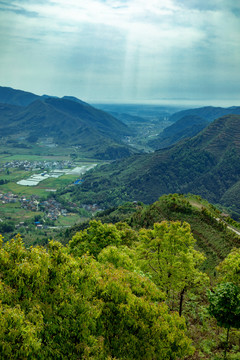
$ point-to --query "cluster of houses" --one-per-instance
(8, 198)
(52, 208)
(38, 165)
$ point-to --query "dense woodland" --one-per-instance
(141, 288)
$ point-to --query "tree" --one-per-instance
(225, 307)
(98, 236)
(134, 321)
(229, 268)
(122, 257)
(167, 253)
(58, 306)
(93, 239)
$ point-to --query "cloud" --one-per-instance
(17, 9)
(121, 49)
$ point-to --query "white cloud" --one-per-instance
(120, 48)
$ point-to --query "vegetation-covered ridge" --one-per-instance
(119, 292)
(61, 122)
(188, 123)
(215, 232)
(207, 165)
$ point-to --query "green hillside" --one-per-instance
(209, 226)
(188, 123)
(207, 165)
(208, 113)
(145, 288)
(67, 122)
(183, 128)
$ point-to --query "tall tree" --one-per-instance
(167, 253)
(225, 307)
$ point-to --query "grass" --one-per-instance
(69, 220)
(24, 190)
(56, 182)
(40, 153)
(32, 157)
(16, 213)
(36, 151)
(50, 183)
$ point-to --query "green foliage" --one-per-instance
(18, 335)
(121, 257)
(212, 237)
(135, 329)
(168, 253)
(98, 236)
(57, 306)
(6, 227)
(229, 269)
(225, 307)
(93, 239)
(225, 304)
(176, 203)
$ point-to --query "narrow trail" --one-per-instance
(199, 206)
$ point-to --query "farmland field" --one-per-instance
(16, 213)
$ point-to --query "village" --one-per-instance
(51, 208)
(37, 165)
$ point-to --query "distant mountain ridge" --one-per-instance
(188, 123)
(207, 165)
(186, 127)
(16, 97)
(209, 113)
(69, 121)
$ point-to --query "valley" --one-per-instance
(145, 195)
(38, 161)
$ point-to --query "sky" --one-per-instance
(122, 51)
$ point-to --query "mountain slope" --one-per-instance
(16, 97)
(209, 113)
(207, 165)
(68, 122)
(214, 238)
(7, 112)
(187, 126)
(188, 123)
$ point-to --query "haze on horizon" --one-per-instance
(122, 51)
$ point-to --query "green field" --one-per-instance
(40, 189)
(29, 157)
(15, 212)
(41, 153)
(70, 220)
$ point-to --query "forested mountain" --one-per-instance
(127, 291)
(187, 123)
(209, 113)
(207, 164)
(208, 224)
(186, 127)
(67, 121)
